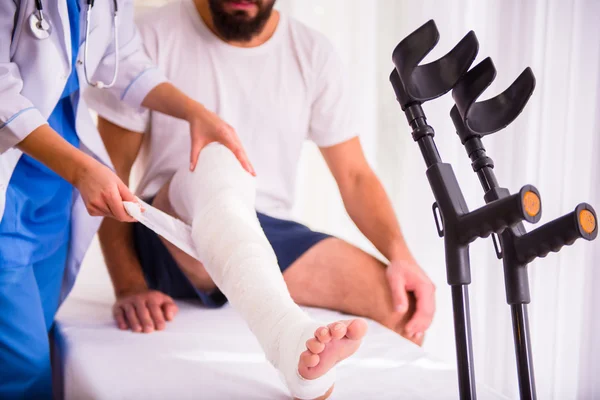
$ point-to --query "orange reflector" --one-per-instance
(587, 221)
(531, 202)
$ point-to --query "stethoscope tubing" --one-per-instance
(88, 15)
(42, 29)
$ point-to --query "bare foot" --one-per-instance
(331, 345)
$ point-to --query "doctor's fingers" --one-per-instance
(232, 141)
(197, 146)
(114, 202)
(95, 211)
(98, 207)
(238, 150)
(227, 136)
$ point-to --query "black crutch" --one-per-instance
(516, 247)
(415, 84)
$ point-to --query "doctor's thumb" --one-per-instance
(197, 146)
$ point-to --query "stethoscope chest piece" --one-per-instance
(40, 27)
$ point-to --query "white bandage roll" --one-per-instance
(217, 200)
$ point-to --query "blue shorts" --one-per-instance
(289, 240)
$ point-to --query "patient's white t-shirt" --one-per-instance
(276, 96)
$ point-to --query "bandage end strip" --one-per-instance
(173, 230)
(552, 236)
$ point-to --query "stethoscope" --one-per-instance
(41, 29)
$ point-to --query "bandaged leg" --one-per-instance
(217, 200)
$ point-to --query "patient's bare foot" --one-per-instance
(331, 345)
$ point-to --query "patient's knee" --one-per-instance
(218, 175)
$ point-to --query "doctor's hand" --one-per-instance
(206, 127)
(406, 276)
(144, 312)
(102, 191)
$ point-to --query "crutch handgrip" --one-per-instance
(500, 214)
(580, 223)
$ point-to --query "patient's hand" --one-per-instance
(406, 276)
(144, 312)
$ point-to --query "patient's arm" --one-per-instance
(370, 208)
(137, 308)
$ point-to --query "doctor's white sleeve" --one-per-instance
(18, 116)
(137, 74)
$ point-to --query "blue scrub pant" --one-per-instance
(34, 241)
(29, 298)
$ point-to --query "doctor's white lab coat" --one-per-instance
(33, 73)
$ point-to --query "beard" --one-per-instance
(238, 25)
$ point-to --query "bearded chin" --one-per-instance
(238, 26)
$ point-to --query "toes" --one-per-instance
(314, 346)
(322, 334)
(337, 330)
(356, 329)
(309, 359)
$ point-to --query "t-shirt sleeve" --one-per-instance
(109, 106)
(332, 118)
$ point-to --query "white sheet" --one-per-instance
(210, 354)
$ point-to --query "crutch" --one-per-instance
(415, 84)
(516, 246)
